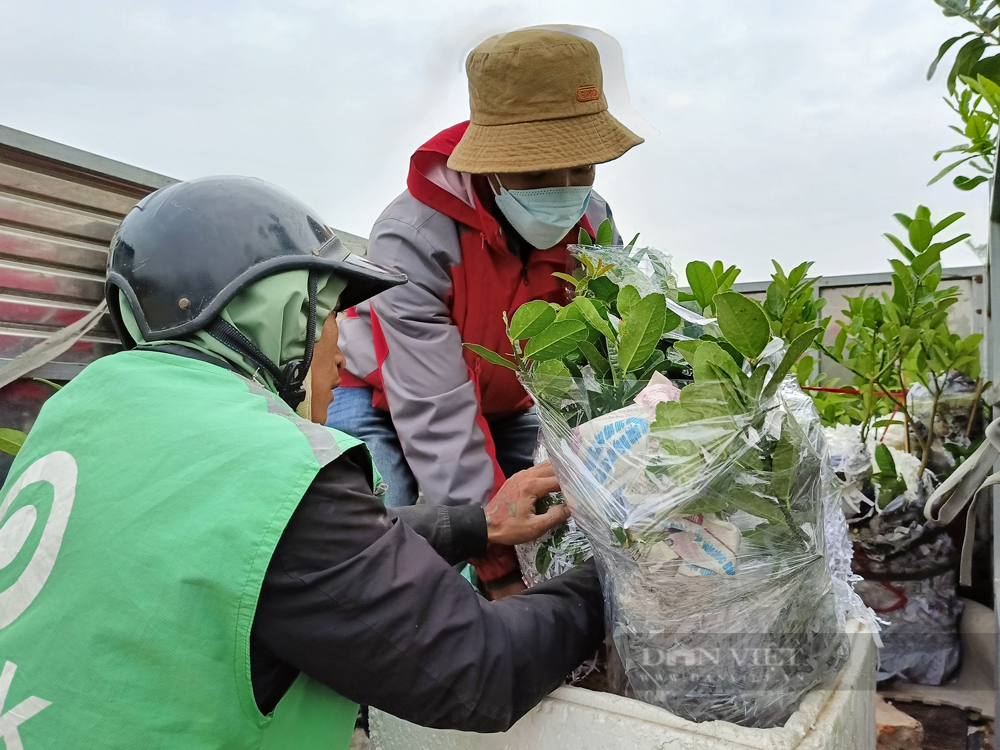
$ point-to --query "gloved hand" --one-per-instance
(510, 515)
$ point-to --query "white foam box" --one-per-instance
(838, 717)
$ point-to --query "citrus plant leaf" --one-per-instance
(795, 350)
(702, 281)
(640, 331)
(49, 383)
(593, 318)
(883, 457)
(491, 357)
(595, 358)
(743, 499)
(531, 319)
(556, 341)
(921, 234)
(743, 323)
(605, 233)
(627, 298)
(688, 349)
(11, 440)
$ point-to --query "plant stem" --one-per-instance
(975, 407)
(930, 430)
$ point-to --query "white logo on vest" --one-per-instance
(59, 470)
(16, 716)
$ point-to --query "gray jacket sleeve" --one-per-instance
(364, 605)
(432, 400)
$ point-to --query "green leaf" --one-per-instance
(950, 167)
(712, 361)
(728, 278)
(593, 317)
(552, 381)
(631, 244)
(774, 302)
(640, 331)
(603, 289)
(921, 234)
(11, 440)
(566, 277)
(49, 383)
(743, 323)
(743, 499)
(966, 58)
(883, 458)
(799, 273)
(988, 68)
(795, 350)
(543, 559)
(688, 349)
(702, 281)
(652, 364)
(584, 238)
(923, 262)
(784, 465)
(803, 369)
(492, 357)
(947, 221)
(605, 233)
(556, 341)
(900, 295)
(942, 50)
(903, 219)
(530, 319)
(627, 299)
(704, 506)
(597, 360)
(968, 183)
(756, 383)
(903, 249)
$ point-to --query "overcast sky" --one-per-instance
(787, 130)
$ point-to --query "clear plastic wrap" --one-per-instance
(908, 569)
(710, 539)
(916, 594)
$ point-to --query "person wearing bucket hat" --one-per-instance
(215, 571)
(490, 207)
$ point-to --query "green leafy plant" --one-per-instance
(889, 482)
(791, 304)
(973, 85)
(706, 281)
(622, 337)
(891, 341)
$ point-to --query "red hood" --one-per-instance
(432, 183)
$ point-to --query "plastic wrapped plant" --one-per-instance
(694, 467)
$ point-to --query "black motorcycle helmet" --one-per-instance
(182, 253)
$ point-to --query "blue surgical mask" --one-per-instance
(543, 216)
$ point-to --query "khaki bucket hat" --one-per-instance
(537, 101)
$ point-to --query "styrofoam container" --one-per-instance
(841, 717)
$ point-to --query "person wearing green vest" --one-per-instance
(186, 563)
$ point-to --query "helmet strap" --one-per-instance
(290, 378)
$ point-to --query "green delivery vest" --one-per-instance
(135, 529)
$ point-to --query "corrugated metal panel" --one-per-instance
(59, 208)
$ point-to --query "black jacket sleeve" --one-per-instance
(362, 603)
(456, 532)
